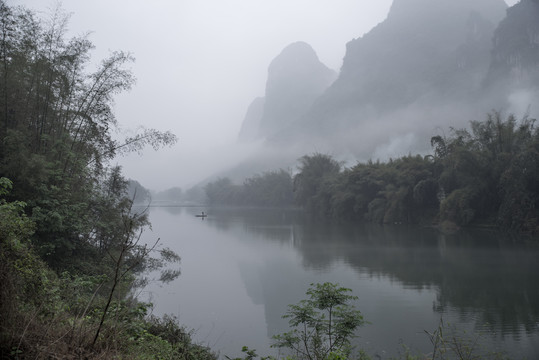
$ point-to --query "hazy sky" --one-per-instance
(199, 64)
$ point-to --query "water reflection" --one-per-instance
(482, 277)
(472, 271)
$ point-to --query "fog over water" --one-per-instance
(199, 64)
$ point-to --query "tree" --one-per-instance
(69, 206)
(488, 174)
(323, 324)
(138, 193)
(56, 125)
(272, 188)
(221, 192)
(312, 184)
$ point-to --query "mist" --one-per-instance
(395, 89)
(199, 64)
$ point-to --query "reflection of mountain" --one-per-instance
(266, 289)
(481, 273)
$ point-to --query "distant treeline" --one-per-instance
(486, 175)
(270, 189)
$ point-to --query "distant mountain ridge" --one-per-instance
(250, 127)
(515, 54)
(296, 77)
(431, 65)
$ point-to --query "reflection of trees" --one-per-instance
(474, 272)
(500, 282)
(171, 209)
(483, 273)
(269, 224)
(373, 249)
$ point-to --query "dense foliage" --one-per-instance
(70, 238)
(56, 124)
(401, 190)
(486, 175)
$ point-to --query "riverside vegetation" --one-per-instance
(69, 236)
(486, 175)
(323, 325)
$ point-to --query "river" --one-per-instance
(241, 268)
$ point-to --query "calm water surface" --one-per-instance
(241, 268)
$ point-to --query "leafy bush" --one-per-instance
(322, 325)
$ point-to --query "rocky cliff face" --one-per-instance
(250, 127)
(425, 48)
(419, 70)
(515, 56)
(431, 65)
(296, 77)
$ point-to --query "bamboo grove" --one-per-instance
(70, 238)
(486, 175)
(57, 126)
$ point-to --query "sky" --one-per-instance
(200, 63)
